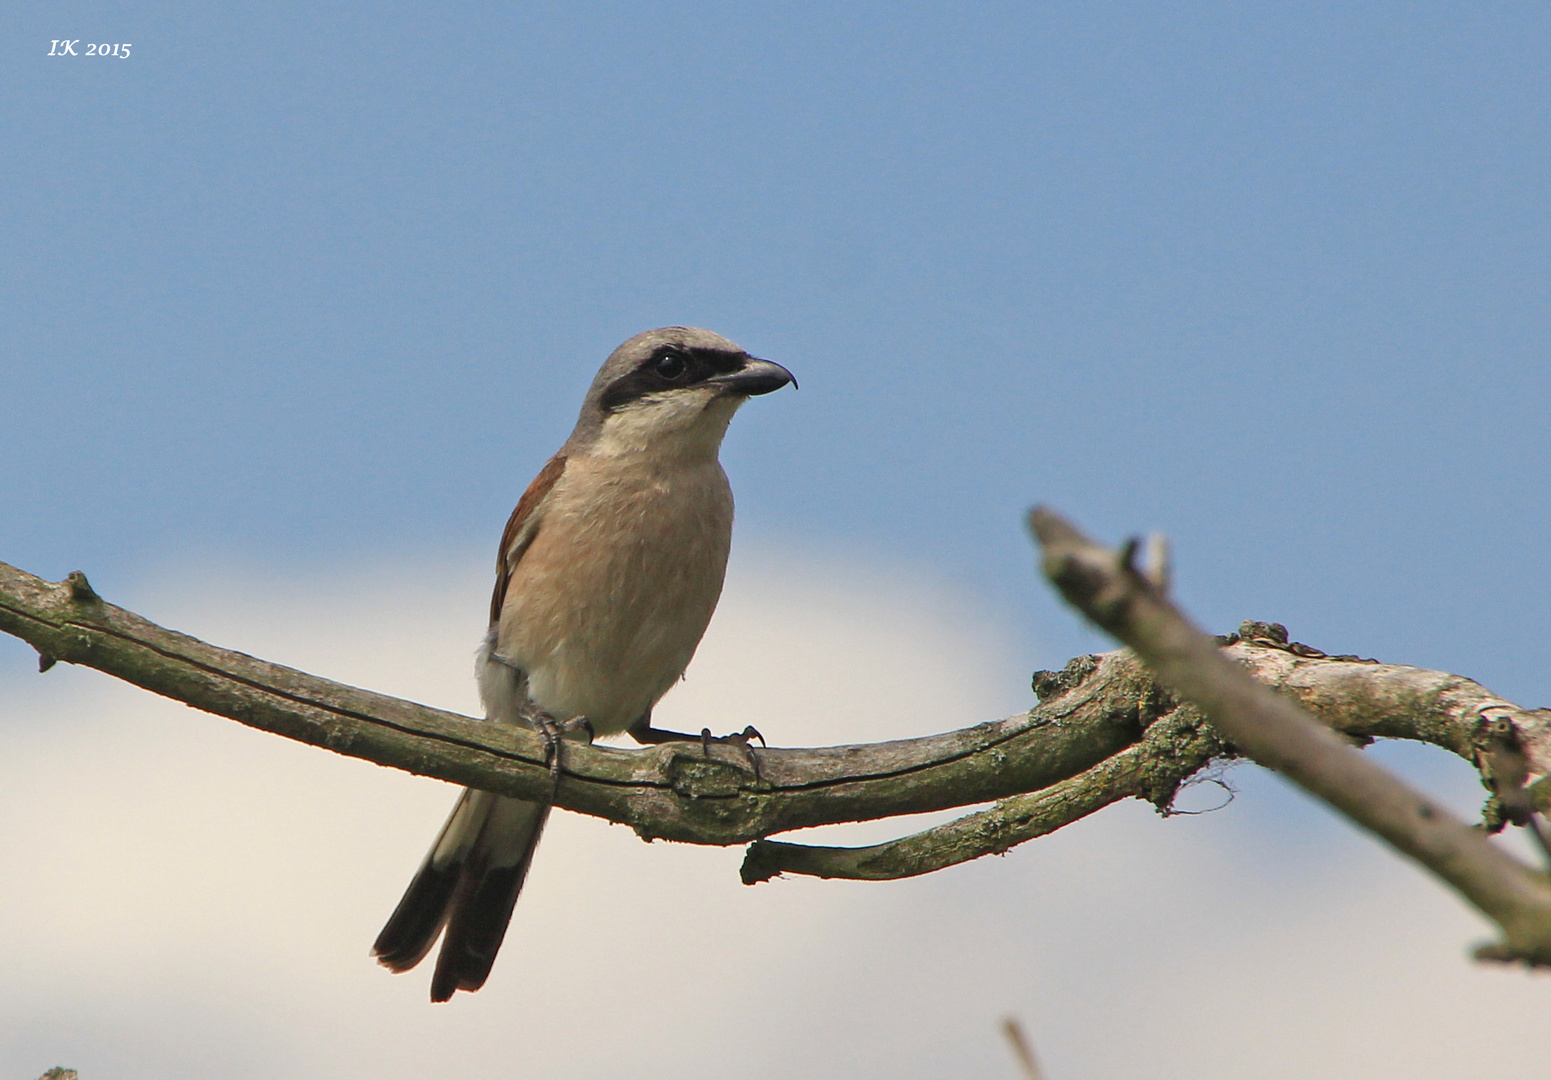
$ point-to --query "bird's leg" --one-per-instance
(554, 732)
(643, 732)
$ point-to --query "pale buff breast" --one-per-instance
(606, 607)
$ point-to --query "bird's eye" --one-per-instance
(671, 366)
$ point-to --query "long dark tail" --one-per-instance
(468, 884)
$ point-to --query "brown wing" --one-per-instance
(520, 530)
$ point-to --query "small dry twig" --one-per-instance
(1022, 1049)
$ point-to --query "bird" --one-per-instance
(607, 574)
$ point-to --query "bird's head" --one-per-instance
(671, 390)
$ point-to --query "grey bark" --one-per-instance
(1104, 729)
(1276, 733)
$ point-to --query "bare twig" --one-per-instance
(1022, 1049)
(1272, 730)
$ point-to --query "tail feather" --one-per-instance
(412, 928)
(468, 884)
(481, 908)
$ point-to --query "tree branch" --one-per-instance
(1362, 699)
(1276, 733)
(1174, 748)
(1104, 730)
(671, 792)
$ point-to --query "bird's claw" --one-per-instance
(553, 732)
(741, 740)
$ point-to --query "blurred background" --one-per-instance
(296, 300)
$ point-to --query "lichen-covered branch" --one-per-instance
(673, 792)
(1103, 730)
(1175, 748)
(1276, 733)
(1362, 699)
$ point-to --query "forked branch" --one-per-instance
(1271, 729)
(1104, 730)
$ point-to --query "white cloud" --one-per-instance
(184, 897)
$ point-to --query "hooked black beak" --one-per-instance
(755, 377)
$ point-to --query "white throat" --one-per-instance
(681, 425)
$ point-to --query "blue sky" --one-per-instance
(316, 280)
(309, 287)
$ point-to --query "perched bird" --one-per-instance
(607, 575)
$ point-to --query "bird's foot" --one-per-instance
(553, 733)
(742, 740)
(643, 732)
